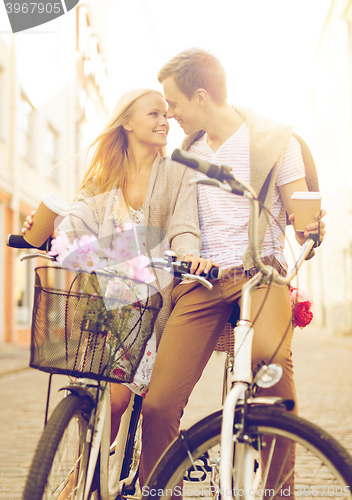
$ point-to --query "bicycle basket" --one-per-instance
(226, 342)
(76, 331)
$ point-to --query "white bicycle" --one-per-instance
(74, 459)
(229, 454)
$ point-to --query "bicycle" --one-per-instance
(229, 454)
(74, 450)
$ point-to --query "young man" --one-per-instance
(265, 154)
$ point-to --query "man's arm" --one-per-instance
(286, 191)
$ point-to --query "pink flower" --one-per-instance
(144, 275)
(299, 295)
(116, 287)
(119, 250)
(137, 269)
(60, 244)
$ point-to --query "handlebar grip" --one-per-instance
(213, 274)
(209, 169)
(184, 267)
(17, 241)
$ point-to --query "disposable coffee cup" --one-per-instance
(51, 211)
(305, 205)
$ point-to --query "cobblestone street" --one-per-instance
(323, 373)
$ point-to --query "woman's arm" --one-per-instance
(184, 233)
(183, 229)
(80, 221)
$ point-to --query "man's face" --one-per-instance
(186, 112)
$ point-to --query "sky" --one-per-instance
(266, 47)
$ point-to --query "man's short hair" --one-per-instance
(195, 69)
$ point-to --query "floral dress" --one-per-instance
(142, 376)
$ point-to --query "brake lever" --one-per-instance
(212, 182)
(200, 279)
(35, 255)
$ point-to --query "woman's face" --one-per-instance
(148, 124)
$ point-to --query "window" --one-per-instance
(51, 153)
(83, 31)
(25, 115)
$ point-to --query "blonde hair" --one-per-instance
(109, 165)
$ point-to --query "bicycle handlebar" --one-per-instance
(223, 174)
(180, 269)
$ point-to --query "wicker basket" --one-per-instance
(226, 342)
(76, 332)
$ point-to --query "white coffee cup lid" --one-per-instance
(56, 203)
(306, 195)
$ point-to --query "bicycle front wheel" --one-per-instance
(323, 468)
(58, 468)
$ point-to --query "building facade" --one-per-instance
(331, 273)
(52, 103)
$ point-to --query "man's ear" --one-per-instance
(202, 97)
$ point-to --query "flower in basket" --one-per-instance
(301, 304)
(106, 297)
(85, 254)
(81, 255)
(119, 286)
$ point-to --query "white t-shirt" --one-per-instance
(223, 217)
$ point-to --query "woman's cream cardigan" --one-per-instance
(170, 206)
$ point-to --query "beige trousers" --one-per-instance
(192, 331)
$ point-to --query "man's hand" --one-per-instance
(311, 228)
(199, 265)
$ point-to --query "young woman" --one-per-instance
(130, 181)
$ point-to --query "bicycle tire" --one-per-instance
(51, 469)
(323, 456)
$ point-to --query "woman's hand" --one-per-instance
(311, 228)
(199, 265)
(28, 222)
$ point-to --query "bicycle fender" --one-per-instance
(289, 404)
(79, 391)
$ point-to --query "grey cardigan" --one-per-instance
(170, 205)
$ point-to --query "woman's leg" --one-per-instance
(119, 397)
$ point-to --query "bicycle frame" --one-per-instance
(241, 377)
